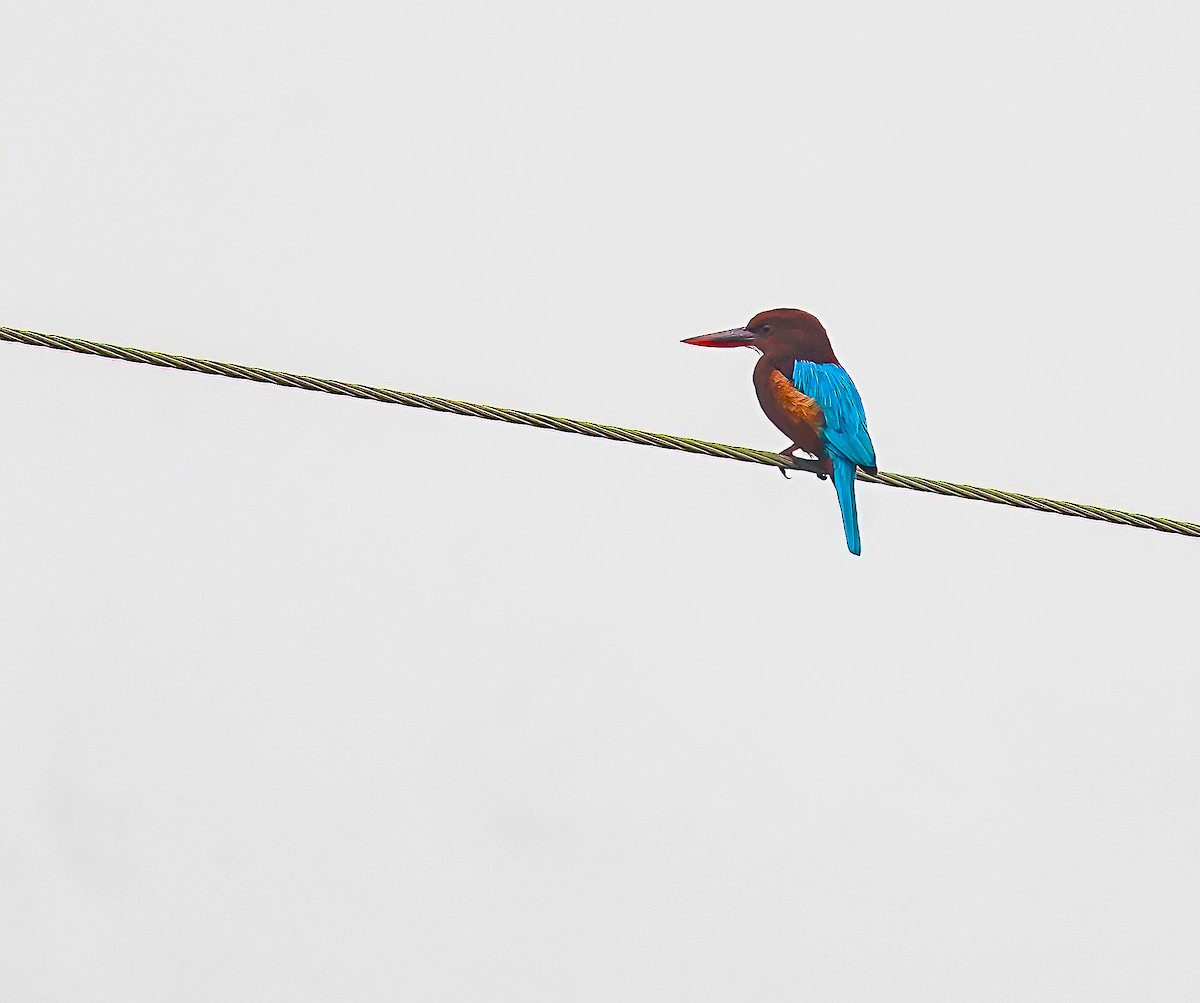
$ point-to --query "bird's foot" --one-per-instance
(812, 466)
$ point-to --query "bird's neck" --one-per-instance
(785, 361)
(768, 364)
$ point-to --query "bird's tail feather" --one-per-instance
(843, 483)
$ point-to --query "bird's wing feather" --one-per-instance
(845, 430)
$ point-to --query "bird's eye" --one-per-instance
(766, 329)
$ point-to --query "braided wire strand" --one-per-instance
(577, 426)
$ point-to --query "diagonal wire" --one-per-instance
(579, 427)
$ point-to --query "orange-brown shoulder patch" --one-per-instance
(797, 406)
(795, 414)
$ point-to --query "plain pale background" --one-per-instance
(310, 699)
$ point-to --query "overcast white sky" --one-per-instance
(308, 699)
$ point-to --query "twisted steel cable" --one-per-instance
(578, 427)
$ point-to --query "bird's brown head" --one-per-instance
(778, 334)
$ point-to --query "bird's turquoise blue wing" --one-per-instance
(845, 429)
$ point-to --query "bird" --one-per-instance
(809, 397)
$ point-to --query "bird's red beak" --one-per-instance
(739, 337)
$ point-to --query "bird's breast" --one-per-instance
(790, 411)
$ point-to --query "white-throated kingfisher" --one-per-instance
(809, 397)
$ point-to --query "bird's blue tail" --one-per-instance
(843, 483)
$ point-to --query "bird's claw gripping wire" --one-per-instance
(812, 466)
